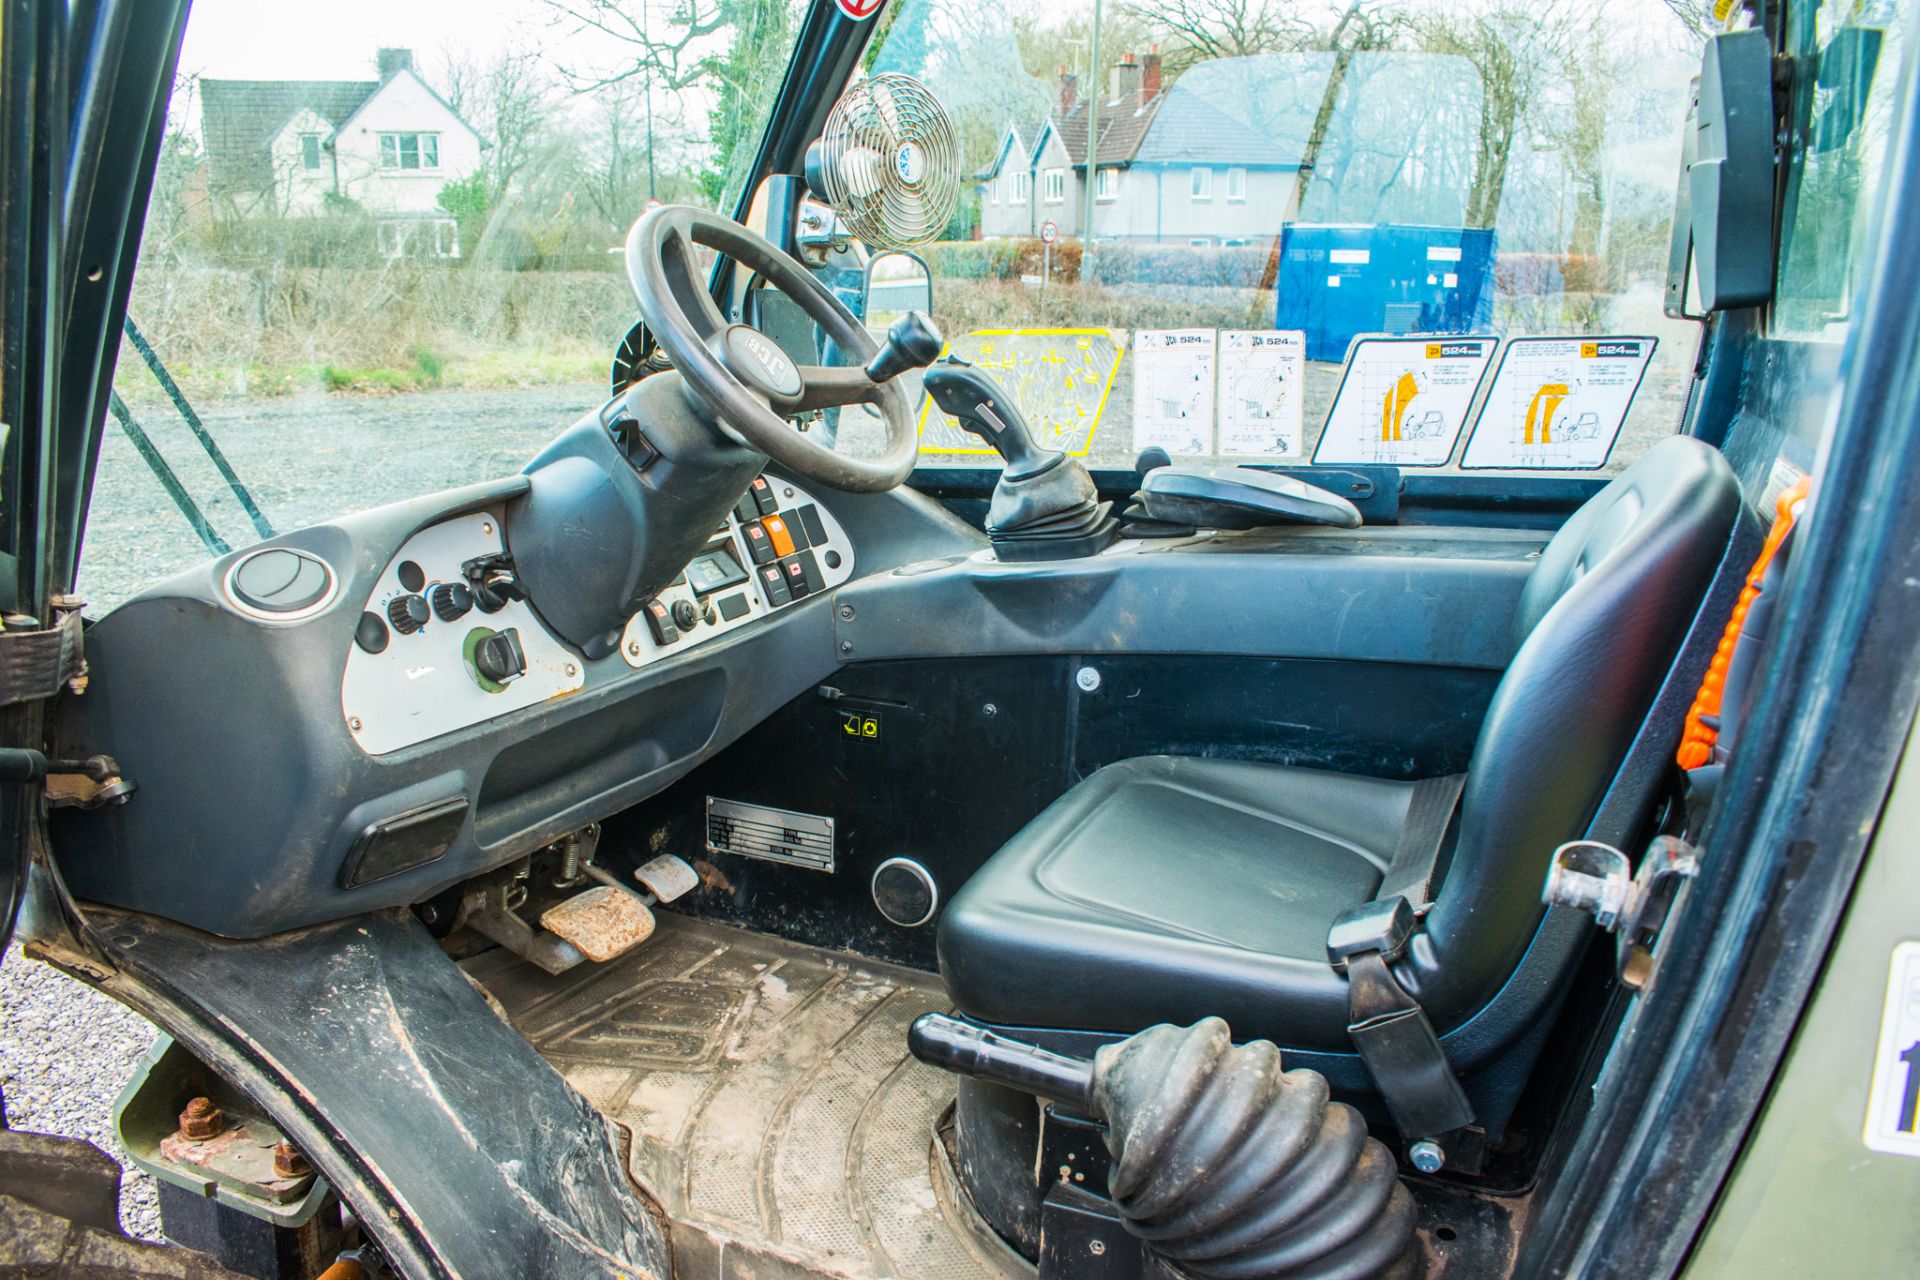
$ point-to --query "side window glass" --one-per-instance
(379, 263)
(1846, 60)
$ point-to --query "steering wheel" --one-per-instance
(743, 377)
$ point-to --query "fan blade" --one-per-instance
(863, 170)
(886, 107)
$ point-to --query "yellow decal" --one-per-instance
(1061, 387)
(1540, 411)
(1393, 408)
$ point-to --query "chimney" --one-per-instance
(1125, 78)
(392, 62)
(1150, 83)
(1069, 91)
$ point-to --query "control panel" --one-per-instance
(447, 640)
(778, 546)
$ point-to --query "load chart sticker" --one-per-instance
(1558, 403)
(1403, 401)
(1262, 375)
(1173, 390)
(1058, 378)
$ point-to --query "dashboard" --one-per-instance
(447, 640)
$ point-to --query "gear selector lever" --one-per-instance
(1045, 506)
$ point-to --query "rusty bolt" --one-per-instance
(202, 1120)
(289, 1163)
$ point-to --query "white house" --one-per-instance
(1222, 155)
(292, 148)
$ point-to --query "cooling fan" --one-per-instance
(888, 162)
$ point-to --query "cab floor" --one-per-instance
(775, 1114)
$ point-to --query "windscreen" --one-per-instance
(1420, 235)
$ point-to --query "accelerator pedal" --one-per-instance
(603, 922)
(667, 877)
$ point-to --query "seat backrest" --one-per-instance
(1600, 622)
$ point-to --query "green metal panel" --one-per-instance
(1807, 1197)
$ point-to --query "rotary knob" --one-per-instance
(685, 615)
(408, 613)
(450, 600)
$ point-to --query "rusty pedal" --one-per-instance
(603, 922)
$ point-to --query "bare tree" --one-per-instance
(509, 101)
(1514, 52)
(1198, 30)
(670, 53)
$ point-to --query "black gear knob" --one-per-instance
(912, 343)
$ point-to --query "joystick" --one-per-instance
(1045, 506)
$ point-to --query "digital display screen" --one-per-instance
(714, 570)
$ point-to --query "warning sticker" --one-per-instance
(1558, 403)
(1893, 1105)
(1059, 378)
(1262, 373)
(1403, 401)
(1173, 390)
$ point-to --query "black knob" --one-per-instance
(450, 600)
(685, 615)
(499, 657)
(408, 613)
(912, 343)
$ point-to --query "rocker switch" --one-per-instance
(660, 622)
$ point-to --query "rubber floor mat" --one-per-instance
(775, 1113)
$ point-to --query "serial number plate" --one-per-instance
(777, 835)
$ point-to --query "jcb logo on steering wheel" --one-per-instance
(771, 358)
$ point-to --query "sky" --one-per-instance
(304, 40)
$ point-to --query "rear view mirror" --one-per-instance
(895, 283)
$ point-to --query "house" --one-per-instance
(308, 148)
(1228, 153)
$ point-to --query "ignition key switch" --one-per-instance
(497, 657)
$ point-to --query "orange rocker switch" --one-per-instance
(777, 531)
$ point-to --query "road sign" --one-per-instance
(1049, 231)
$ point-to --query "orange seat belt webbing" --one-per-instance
(1696, 743)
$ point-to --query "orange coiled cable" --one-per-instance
(1696, 744)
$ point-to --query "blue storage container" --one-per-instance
(1338, 281)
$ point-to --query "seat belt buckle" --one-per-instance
(1384, 925)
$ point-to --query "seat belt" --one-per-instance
(1389, 1028)
(1410, 874)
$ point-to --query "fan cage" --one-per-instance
(891, 163)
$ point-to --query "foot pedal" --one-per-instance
(667, 877)
(602, 922)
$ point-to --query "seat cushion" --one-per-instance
(1164, 889)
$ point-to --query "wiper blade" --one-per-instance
(143, 444)
(200, 433)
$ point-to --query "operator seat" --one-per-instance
(1166, 888)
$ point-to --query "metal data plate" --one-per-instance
(776, 835)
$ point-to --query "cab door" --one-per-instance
(83, 86)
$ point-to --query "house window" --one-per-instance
(1022, 182)
(309, 151)
(993, 192)
(1056, 188)
(409, 151)
(1107, 185)
(1237, 185)
(1202, 184)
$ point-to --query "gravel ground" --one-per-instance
(65, 1052)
